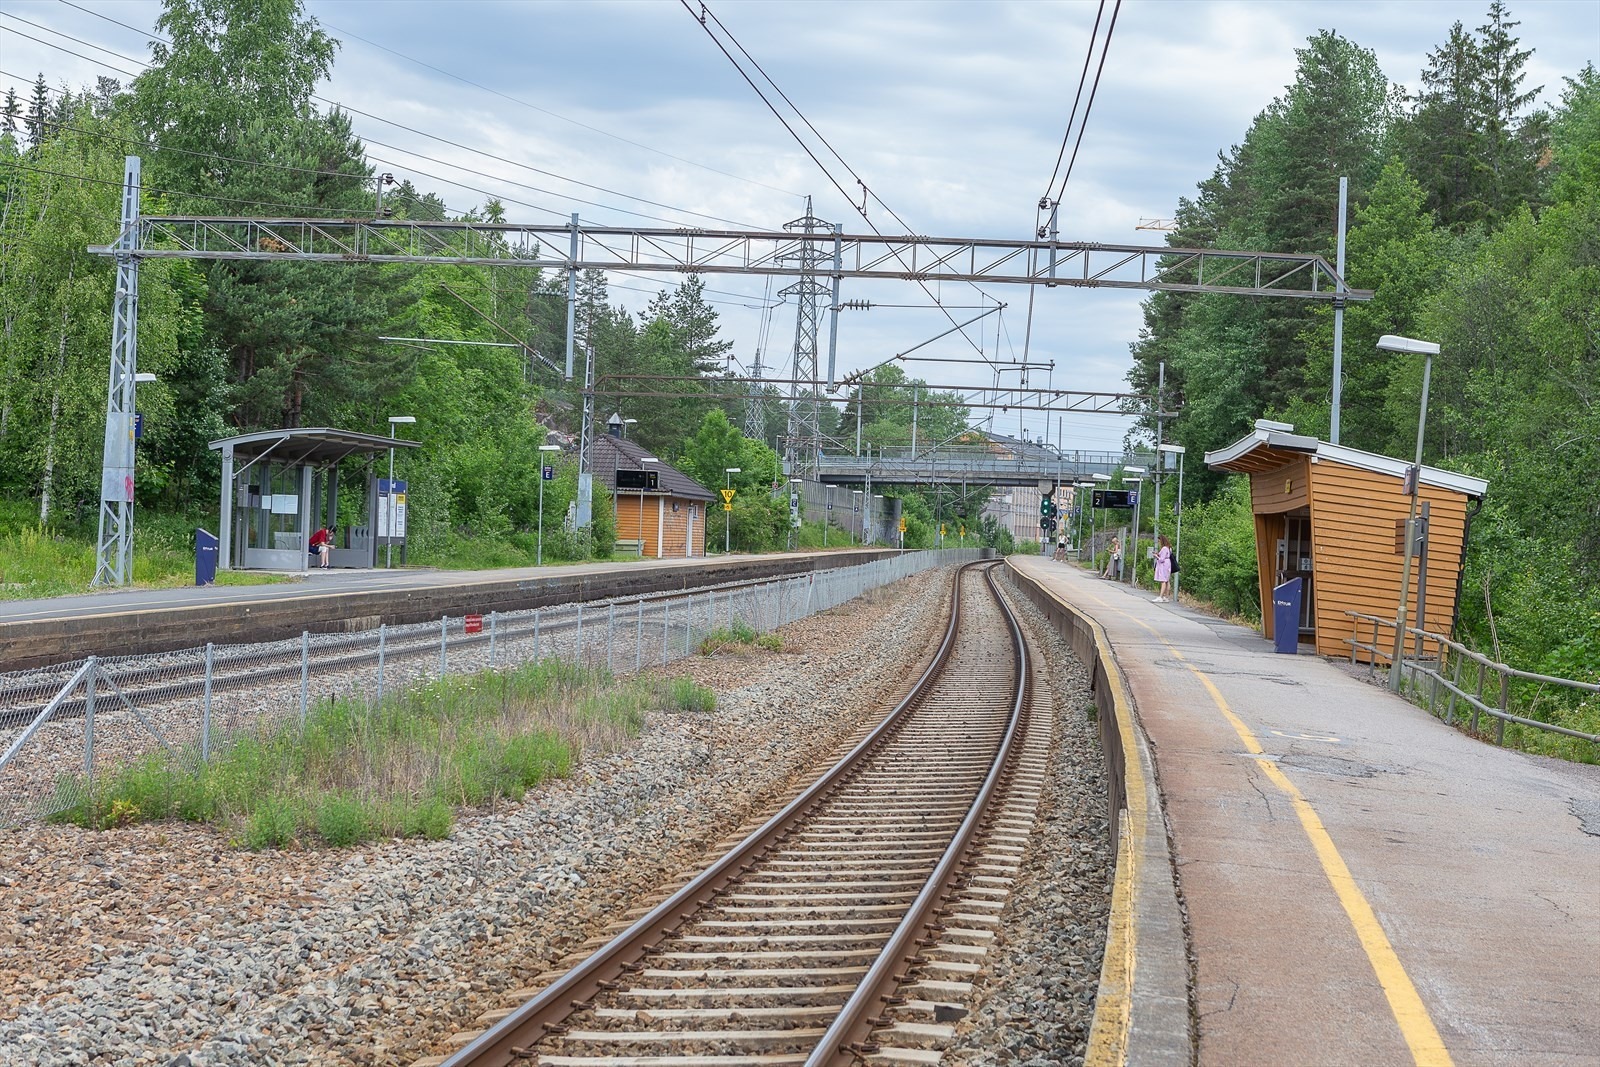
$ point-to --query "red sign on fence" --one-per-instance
(474, 623)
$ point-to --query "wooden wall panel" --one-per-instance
(629, 526)
(1353, 515)
(1277, 491)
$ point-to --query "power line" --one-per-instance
(1088, 107)
(546, 111)
(807, 148)
(1072, 116)
(421, 133)
(168, 192)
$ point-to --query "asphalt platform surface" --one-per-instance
(1363, 883)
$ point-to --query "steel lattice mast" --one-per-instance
(114, 543)
(802, 437)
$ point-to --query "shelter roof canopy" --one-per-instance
(318, 445)
(1266, 449)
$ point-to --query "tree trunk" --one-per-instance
(55, 412)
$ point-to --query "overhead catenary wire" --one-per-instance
(545, 111)
(420, 133)
(1072, 116)
(706, 13)
(1088, 107)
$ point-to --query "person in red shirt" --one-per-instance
(322, 545)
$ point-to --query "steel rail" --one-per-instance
(847, 1039)
(189, 677)
(511, 1039)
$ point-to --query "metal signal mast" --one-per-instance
(803, 435)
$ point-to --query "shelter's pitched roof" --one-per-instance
(612, 454)
(1267, 448)
(319, 444)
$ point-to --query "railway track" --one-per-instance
(849, 926)
(175, 680)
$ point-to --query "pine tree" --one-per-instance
(10, 114)
(38, 117)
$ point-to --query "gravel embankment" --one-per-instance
(1036, 1004)
(166, 944)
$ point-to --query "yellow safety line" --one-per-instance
(1113, 1017)
(1416, 1026)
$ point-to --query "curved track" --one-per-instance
(804, 944)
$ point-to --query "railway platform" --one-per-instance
(1362, 883)
(36, 633)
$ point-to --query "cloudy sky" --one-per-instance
(951, 113)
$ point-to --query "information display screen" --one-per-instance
(1113, 498)
(634, 479)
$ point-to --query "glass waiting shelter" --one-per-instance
(279, 486)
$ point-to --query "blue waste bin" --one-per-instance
(205, 558)
(1286, 617)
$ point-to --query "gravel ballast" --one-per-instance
(168, 944)
(165, 943)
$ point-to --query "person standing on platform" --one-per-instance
(1061, 548)
(1114, 560)
(1164, 570)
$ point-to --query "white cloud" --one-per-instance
(951, 112)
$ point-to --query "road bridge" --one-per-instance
(1028, 465)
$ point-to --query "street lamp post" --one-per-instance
(1176, 450)
(1392, 343)
(727, 505)
(1138, 503)
(538, 559)
(1094, 513)
(388, 548)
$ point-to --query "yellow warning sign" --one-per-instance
(727, 507)
(727, 498)
(902, 524)
(941, 529)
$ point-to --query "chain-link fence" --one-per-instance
(62, 726)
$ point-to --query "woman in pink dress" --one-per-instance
(1164, 570)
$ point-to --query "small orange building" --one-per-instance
(1335, 518)
(667, 521)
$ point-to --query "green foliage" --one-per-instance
(271, 825)
(359, 771)
(1218, 558)
(342, 820)
(688, 695)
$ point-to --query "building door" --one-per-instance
(1294, 560)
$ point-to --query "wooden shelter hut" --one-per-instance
(1335, 517)
(661, 511)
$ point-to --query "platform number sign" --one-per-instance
(548, 474)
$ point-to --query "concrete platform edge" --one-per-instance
(1142, 1012)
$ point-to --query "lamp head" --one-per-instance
(1132, 470)
(1176, 450)
(549, 448)
(1390, 342)
(401, 418)
(732, 470)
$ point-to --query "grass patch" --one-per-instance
(44, 561)
(399, 768)
(739, 635)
